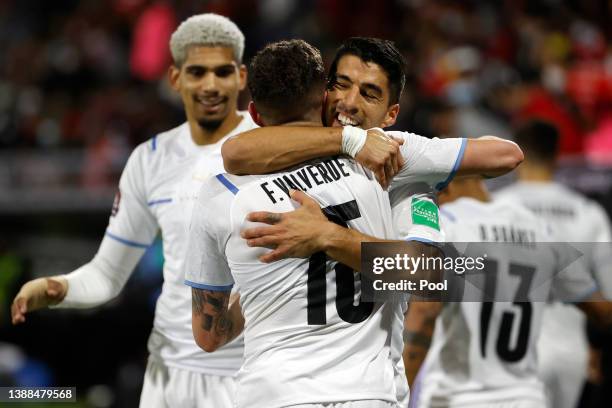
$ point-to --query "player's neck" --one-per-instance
(477, 193)
(203, 136)
(303, 123)
(528, 171)
(310, 119)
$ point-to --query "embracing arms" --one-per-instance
(304, 231)
(269, 149)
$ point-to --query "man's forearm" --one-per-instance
(272, 148)
(103, 277)
(419, 326)
(490, 156)
(344, 245)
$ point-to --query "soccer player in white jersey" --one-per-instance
(483, 354)
(366, 79)
(306, 344)
(563, 346)
(157, 190)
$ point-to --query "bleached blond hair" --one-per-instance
(207, 29)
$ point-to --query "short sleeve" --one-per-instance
(206, 265)
(417, 218)
(432, 161)
(131, 221)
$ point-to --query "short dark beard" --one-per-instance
(210, 125)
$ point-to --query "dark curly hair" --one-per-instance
(286, 80)
(378, 51)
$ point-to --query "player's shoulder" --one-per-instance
(467, 208)
(221, 189)
(585, 207)
(596, 212)
(507, 191)
(510, 208)
(154, 147)
(246, 123)
(148, 154)
(461, 207)
(161, 141)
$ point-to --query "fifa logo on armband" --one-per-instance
(116, 202)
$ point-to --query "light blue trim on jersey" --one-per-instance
(227, 183)
(160, 201)
(448, 215)
(216, 288)
(451, 176)
(127, 241)
(423, 240)
(154, 143)
(439, 245)
(584, 296)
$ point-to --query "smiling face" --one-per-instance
(360, 95)
(209, 82)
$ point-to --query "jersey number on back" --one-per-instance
(503, 347)
(345, 277)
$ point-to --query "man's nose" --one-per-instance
(348, 102)
(209, 82)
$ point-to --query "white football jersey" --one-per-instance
(574, 217)
(563, 337)
(158, 188)
(308, 337)
(485, 351)
(429, 165)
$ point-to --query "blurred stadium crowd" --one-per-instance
(83, 82)
(87, 73)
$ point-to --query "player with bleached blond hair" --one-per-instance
(156, 193)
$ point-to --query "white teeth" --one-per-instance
(346, 121)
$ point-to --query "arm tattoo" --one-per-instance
(213, 307)
(224, 326)
(413, 355)
(215, 302)
(417, 338)
(197, 301)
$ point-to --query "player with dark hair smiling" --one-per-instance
(290, 322)
(365, 83)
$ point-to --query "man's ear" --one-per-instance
(254, 114)
(242, 72)
(173, 77)
(391, 116)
